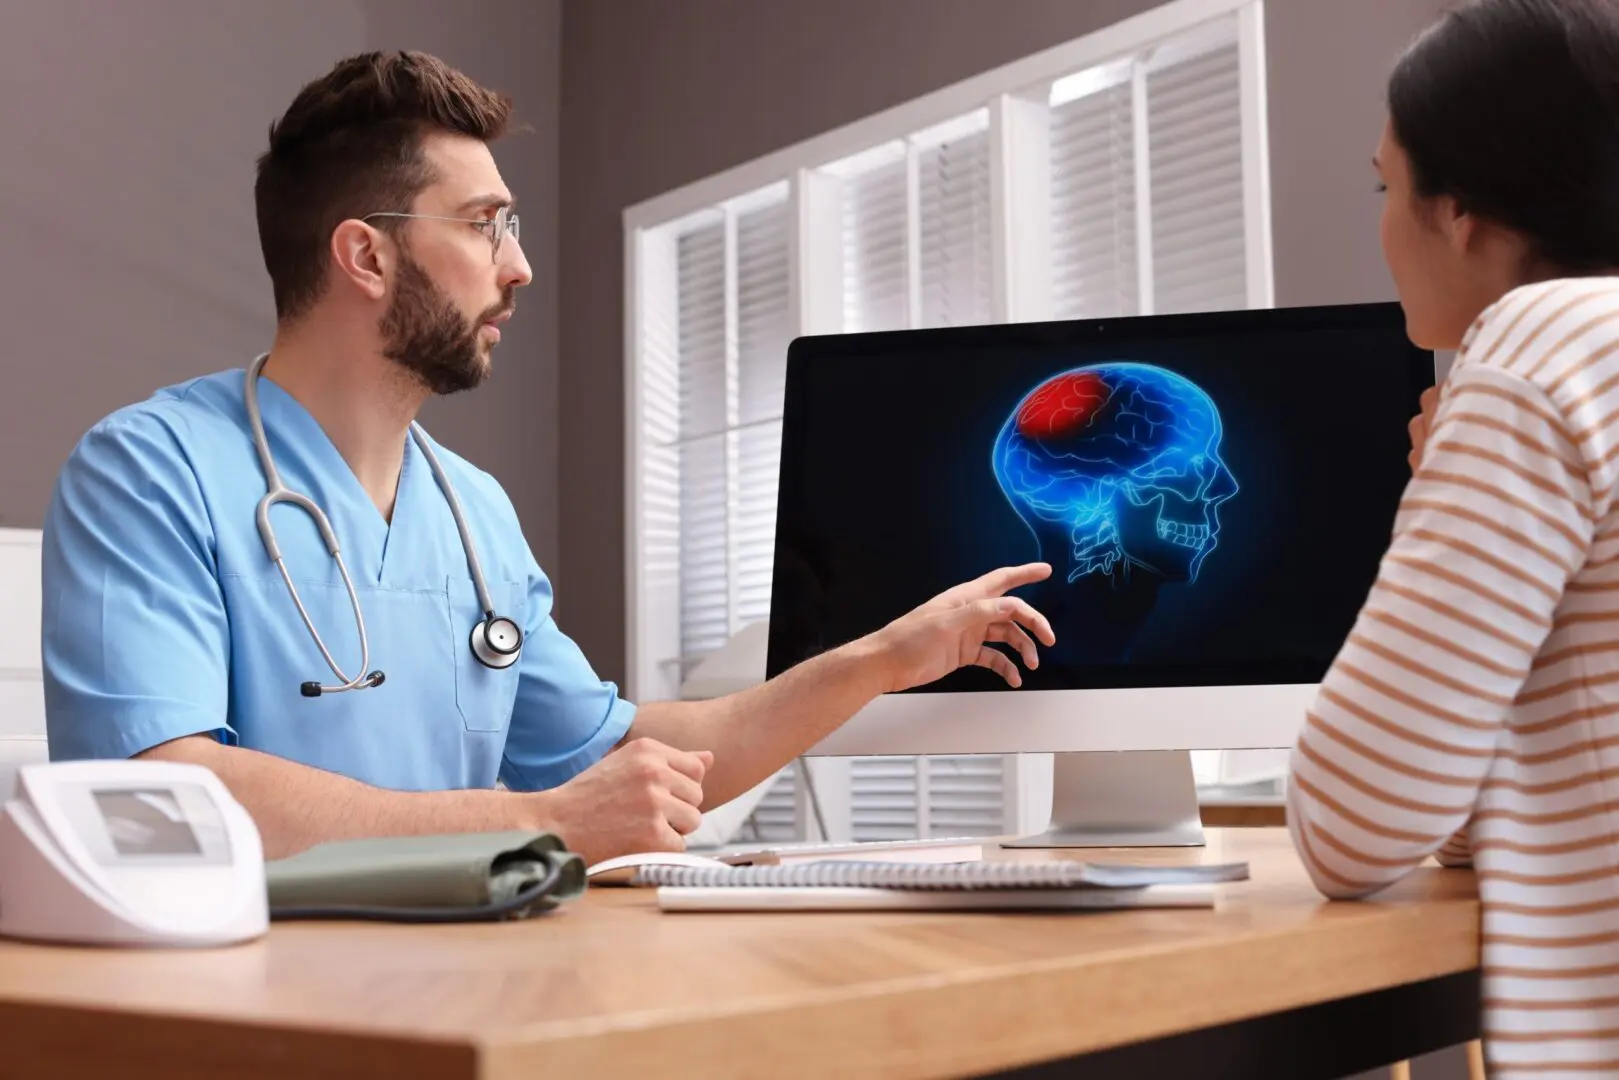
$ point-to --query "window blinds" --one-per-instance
(733, 329)
(876, 260)
(763, 332)
(1166, 125)
(704, 396)
(1195, 159)
(895, 798)
(1093, 206)
(916, 231)
(953, 226)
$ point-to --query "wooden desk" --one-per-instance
(612, 987)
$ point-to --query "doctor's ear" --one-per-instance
(364, 255)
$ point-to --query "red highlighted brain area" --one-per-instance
(1063, 406)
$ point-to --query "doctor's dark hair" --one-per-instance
(350, 144)
(1511, 107)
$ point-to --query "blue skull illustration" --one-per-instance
(1120, 464)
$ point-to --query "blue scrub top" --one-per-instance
(164, 617)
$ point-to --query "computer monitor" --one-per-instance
(1214, 493)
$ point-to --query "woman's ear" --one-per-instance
(362, 255)
(1459, 226)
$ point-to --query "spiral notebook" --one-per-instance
(1001, 884)
(985, 874)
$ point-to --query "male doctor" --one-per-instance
(171, 631)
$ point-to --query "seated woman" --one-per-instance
(1473, 714)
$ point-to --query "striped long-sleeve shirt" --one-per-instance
(1473, 713)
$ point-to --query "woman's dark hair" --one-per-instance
(1512, 108)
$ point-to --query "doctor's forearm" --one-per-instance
(296, 806)
(756, 731)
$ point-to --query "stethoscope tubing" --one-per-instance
(278, 492)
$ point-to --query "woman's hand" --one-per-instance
(1419, 427)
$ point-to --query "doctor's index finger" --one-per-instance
(1007, 578)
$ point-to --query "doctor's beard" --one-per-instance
(425, 333)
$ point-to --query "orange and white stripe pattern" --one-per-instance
(1473, 713)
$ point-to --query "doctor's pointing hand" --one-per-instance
(647, 795)
(274, 571)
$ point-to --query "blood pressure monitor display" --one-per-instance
(148, 822)
(131, 825)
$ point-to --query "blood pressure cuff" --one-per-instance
(455, 877)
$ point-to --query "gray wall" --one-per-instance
(128, 252)
(656, 95)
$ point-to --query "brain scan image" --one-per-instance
(1115, 468)
(1213, 492)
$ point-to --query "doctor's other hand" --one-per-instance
(1420, 425)
(644, 796)
(956, 628)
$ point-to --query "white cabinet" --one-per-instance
(22, 688)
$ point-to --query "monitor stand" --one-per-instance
(1131, 798)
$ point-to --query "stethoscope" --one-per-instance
(496, 641)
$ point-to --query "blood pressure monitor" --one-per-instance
(129, 852)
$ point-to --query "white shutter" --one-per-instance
(763, 332)
(704, 410)
(1093, 205)
(898, 798)
(1158, 135)
(917, 232)
(966, 795)
(883, 798)
(1194, 125)
(954, 231)
(704, 574)
(776, 820)
(876, 260)
(734, 310)
(659, 670)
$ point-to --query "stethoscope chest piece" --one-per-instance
(497, 642)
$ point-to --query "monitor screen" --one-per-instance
(1213, 492)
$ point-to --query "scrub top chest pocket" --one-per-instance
(483, 695)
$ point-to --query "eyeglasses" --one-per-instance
(497, 228)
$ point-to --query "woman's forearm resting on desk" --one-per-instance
(1392, 757)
